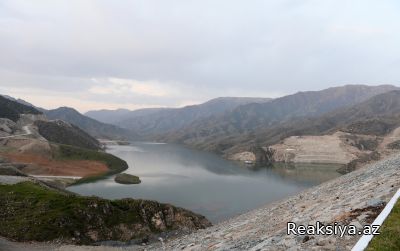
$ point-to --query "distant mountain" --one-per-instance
(12, 109)
(246, 125)
(61, 132)
(116, 116)
(150, 122)
(376, 116)
(91, 126)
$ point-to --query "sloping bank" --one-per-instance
(114, 164)
(32, 211)
(356, 198)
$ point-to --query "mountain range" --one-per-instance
(155, 121)
(226, 125)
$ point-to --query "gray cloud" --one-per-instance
(195, 49)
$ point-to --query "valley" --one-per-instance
(199, 125)
(40, 157)
(216, 160)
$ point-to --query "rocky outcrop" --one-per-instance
(247, 157)
(48, 215)
(7, 127)
(8, 169)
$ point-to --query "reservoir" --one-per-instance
(203, 182)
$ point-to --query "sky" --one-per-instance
(154, 53)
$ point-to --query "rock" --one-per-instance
(124, 178)
(362, 217)
(322, 242)
(246, 157)
(289, 242)
(302, 238)
(375, 203)
(8, 169)
(356, 224)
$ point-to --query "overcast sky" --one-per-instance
(134, 54)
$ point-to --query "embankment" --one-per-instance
(354, 198)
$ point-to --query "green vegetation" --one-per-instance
(389, 239)
(124, 178)
(114, 164)
(30, 211)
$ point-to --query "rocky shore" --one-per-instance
(355, 198)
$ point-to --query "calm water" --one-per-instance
(203, 182)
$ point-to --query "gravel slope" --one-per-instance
(353, 198)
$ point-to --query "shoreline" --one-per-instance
(332, 200)
(194, 241)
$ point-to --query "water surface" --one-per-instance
(203, 182)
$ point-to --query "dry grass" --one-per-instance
(40, 165)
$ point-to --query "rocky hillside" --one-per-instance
(91, 126)
(61, 132)
(11, 109)
(32, 212)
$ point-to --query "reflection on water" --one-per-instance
(307, 173)
(203, 182)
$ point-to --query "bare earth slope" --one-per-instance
(315, 149)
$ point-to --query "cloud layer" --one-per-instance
(109, 54)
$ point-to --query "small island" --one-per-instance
(127, 179)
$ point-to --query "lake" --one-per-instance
(203, 182)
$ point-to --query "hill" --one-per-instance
(150, 122)
(61, 132)
(12, 109)
(91, 126)
(254, 124)
(376, 116)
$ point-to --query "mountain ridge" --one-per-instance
(219, 134)
(152, 121)
(91, 126)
